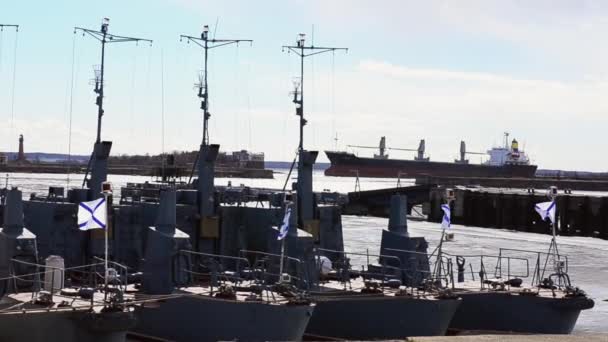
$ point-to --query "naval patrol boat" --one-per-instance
(512, 291)
(209, 302)
(518, 290)
(36, 304)
(217, 296)
(385, 300)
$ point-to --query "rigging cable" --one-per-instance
(237, 99)
(333, 98)
(248, 91)
(312, 86)
(70, 110)
(162, 110)
(286, 150)
(14, 80)
(132, 104)
(217, 23)
(1, 43)
(211, 61)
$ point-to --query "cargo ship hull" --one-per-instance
(344, 164)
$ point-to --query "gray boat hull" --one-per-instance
(203, 318)
(65, 326)
(506, 312)
(374, 317)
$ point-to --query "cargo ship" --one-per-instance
(504, 161)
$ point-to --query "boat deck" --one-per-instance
(28, 302)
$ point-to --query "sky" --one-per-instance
(443, 71)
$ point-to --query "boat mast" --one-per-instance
(205, 161)
(304, 51)
(304, 184)
(104, 37)
(203, 86)
(97, 165)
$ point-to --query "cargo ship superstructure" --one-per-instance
(504, 161)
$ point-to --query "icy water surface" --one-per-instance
(588, 257)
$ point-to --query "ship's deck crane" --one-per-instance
(382, 150)
(464, 152)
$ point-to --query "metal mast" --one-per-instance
(306, 159)
(304, 51)
(203, 89)
(104, 37)
(98, 163)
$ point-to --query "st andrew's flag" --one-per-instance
(92, 215)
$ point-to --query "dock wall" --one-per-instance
(577, 215)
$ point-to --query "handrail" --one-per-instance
(216, 263)
(427, 275)
(52, 269)
(383, 258)
(123, 275)
(271, 254)
(302, 274)
(219, 256)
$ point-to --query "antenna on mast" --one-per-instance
(304, 51)
(104, 37)
(208, 153)
(306, 159)
(101, 150)
(203, 86)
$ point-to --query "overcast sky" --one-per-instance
(441, 70)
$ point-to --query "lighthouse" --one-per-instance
(21, 155)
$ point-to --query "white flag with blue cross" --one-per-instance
(447, 216)
(546, 210)
(285, 226)
(92, 215)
